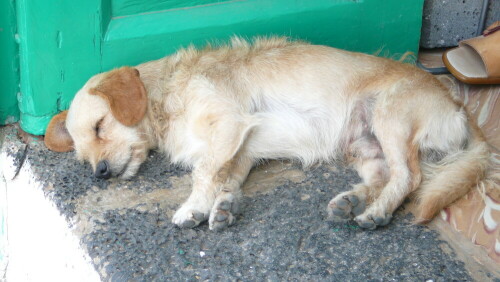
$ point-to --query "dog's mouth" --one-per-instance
(121, 172)
(124, 169)
(106, 170)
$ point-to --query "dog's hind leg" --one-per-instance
(396, 138)
(367, 158)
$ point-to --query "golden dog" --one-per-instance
(220, 110)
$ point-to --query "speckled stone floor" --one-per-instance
(68, 226)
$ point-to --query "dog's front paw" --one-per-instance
(373, 218)
(188, 217)
(345, 206)
(223, 212)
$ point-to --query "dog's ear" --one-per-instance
(57, 137)
(124, 91)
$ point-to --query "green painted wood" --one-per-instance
(63, 45)
(391, 27)
(9, 65)
(59, 50)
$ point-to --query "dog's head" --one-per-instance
(102, 124)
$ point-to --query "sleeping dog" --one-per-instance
(220, 110)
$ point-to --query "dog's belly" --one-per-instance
(290, 133)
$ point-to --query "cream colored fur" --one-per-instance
(220, 110)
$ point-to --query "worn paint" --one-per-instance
(10, 119)
(34, 124)
(63, 45)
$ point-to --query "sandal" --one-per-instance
(476, 60)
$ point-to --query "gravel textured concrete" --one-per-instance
(447, 22)
(124, 229)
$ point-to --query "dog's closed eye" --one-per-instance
(98, 127)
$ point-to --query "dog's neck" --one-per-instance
(154, 75)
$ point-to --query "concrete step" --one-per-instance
(65, 225)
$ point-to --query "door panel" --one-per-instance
(63, 45)
(366, 26)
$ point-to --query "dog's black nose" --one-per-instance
(102, 170)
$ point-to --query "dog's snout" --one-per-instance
(102, 170)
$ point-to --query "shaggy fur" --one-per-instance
(220, 110)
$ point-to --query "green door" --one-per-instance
(63, 43)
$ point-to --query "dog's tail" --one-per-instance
(455, 175)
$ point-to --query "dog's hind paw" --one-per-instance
(188, 218)
(345, 206)
(372, 221)
(223, 212)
